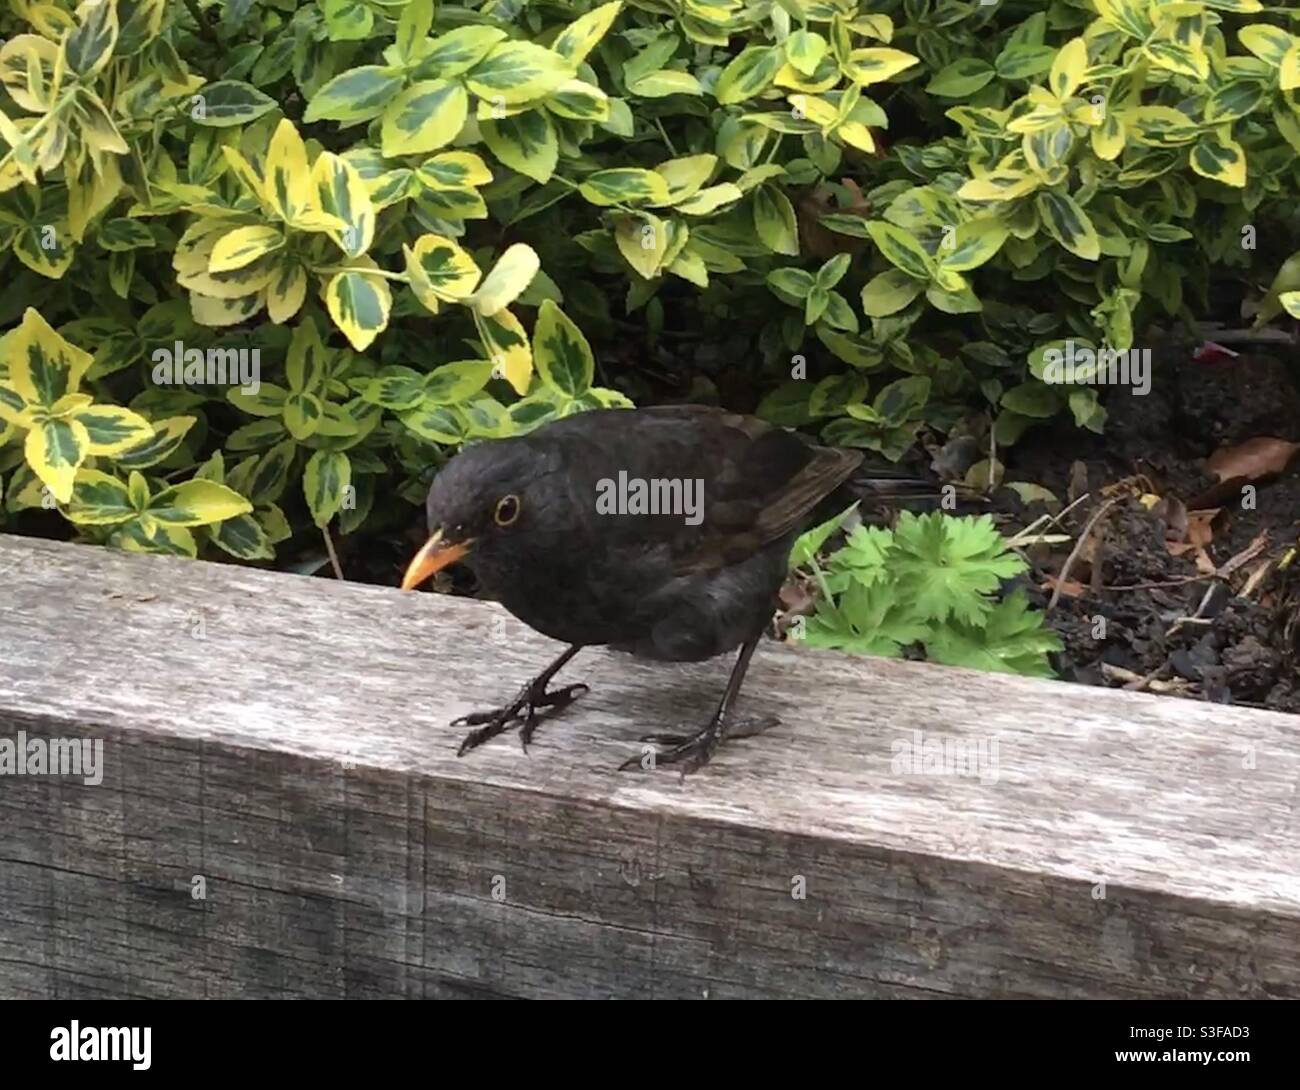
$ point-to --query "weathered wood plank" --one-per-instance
(286, 739)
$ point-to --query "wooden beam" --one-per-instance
(282, 813)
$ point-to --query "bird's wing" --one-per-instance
(759, 482)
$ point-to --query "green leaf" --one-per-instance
(1032, 399)
(325, 483)
(561, 353)
(229, 102)
(775, 221)
(949, 567)
(791, 285)
(804, 49)
(810, 542)
(889, 292)
(124, 234)
(962, 78)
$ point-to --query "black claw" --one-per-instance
(488, 724)
(692, 752)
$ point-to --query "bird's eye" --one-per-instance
(507, 510)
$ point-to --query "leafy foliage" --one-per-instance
(932, 581)
(422, 217)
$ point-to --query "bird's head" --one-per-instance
(479, 504)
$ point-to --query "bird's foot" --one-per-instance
(693, 751)
(524, 709)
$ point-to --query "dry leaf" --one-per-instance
(1252, 460)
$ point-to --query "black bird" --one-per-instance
(550, 524)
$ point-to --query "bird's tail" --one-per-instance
(890, 484)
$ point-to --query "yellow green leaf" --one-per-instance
(453, 170)
(507, 347)
(99, 499)
(359, 303)
(1069, 67)
(43, 367)
(515, 72)
(583, 35)
(287, 179)
(325, 484)
(55, 450)
(526, 142)
(561, 353)
(166, 438)
(1289, 69)
(509, 278)
(424, 117)
(145, 535)
(112, 430)
(286, 290)
(242, 246)
(876, 64)
(1220, 158)
(340, 192)
(437, 268)
(196, 503)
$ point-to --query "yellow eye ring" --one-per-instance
(507, 510)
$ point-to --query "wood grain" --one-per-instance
(297, 757)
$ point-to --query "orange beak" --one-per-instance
(433, 557)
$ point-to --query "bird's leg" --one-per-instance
(532, 697)
(693, 751)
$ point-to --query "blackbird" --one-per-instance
(664, 532)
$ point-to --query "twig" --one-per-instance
(205, 30)
(334, 557)
(1182, 582)
(1078, 548)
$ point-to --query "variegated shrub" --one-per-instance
(880, 214)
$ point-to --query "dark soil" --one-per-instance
(1134, 614)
